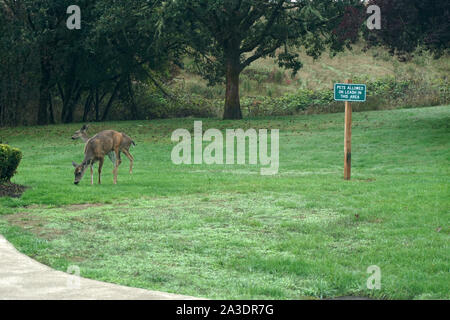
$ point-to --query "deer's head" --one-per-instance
(79, 171)
(80, 133)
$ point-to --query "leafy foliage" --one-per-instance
(117, 44)
(226, 36)
(411, 24)
(9, 161)
(51, 74)
(384, 93)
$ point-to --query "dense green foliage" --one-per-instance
(227, 36)
(50, 71)
(50, 74)
(383, 93)
(9, 161)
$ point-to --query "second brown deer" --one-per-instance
(102, 144)
(82, 134)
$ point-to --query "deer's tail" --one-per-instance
(133, 143)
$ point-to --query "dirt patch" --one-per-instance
(34, 224)
(8, 189)
(351, 298)
(366, 180)
(75, 259)
(78, 207)
(32, 206)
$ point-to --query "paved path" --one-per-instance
(24, 278)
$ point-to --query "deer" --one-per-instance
(108, 142)
(82, 134)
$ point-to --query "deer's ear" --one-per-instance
(74, 164)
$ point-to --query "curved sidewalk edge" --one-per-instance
(22, 278)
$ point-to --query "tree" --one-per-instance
(407, 25)
(226, 36)
(118, 43)
(40, 27)
(125, 45)
(18, 69)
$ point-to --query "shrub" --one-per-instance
(385, 93)
(9, 161)
(277, 76)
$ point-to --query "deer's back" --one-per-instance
(126, 141)
(103, 143)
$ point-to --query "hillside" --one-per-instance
(265, 78)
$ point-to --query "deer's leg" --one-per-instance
(92, 174)
(100, 165)
(116, 166)
(112, 157)
(120, 159)
(130, 157)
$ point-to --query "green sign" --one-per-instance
(350, 92)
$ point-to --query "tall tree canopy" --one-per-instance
(37, 28)
(410, 24)
(118, 42)
(226, 36)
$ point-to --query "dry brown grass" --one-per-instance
(322, 73)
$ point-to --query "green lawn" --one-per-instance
(226, 232)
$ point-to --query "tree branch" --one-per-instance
(261, 53)
(253, 44)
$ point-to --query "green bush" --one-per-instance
(9, 161)
(385, 93)
(197, 100)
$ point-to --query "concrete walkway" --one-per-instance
(22, 278)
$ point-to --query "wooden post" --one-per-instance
(348, 138)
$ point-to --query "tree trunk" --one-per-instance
(87, 106)
(70, 90)
(134, 111)
(50, 109)
(65, 91)
(72, 105)
(111, 99)
(97, 106)
(232, 108)
(97, 102)
(44, 89)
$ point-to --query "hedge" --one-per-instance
(9, 161)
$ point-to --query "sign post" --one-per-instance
(348, 139)
(349, 92)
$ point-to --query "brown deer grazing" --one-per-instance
(102, 144)
(82, 134)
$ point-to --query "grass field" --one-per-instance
(227, 232)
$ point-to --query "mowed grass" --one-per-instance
(225, 231)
